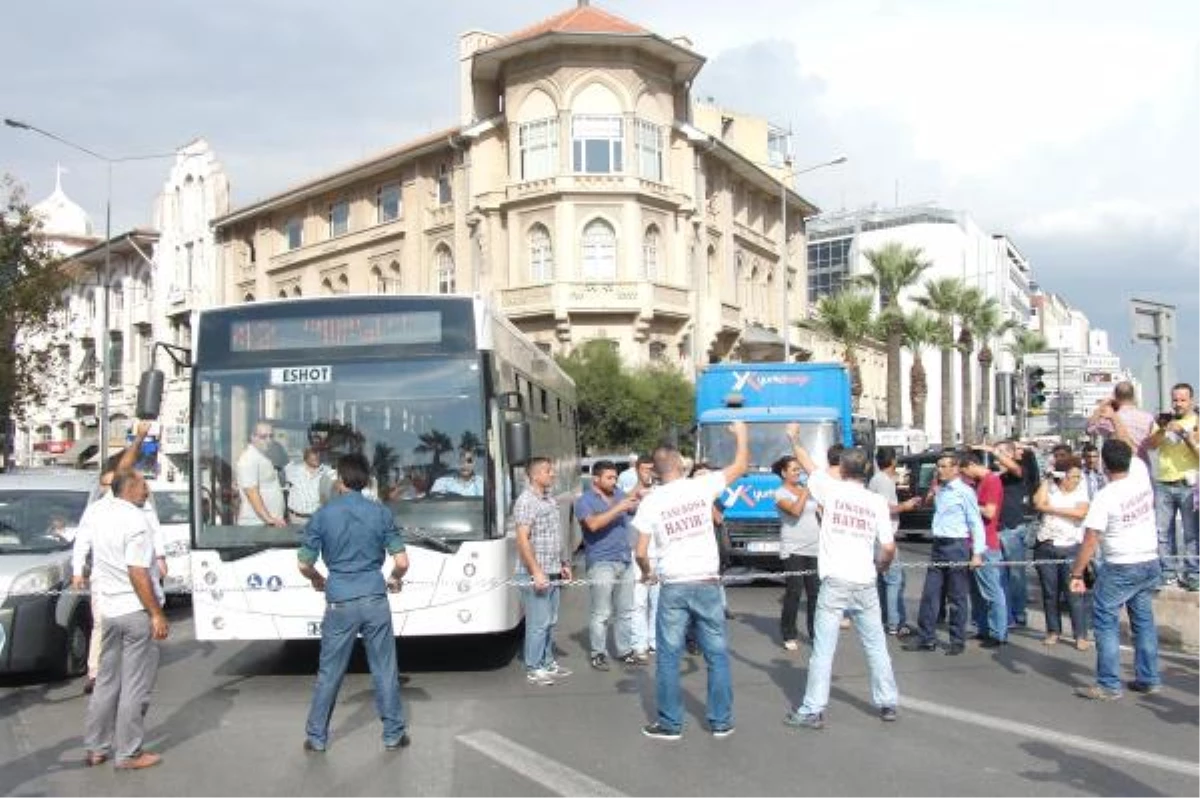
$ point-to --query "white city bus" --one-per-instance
(410, 381)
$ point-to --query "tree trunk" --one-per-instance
(856, 386)
(947, 398)
(918, 391)
(968, 408)
(895, 414)
(985, 389)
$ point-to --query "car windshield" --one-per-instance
(419, 423)
(39, 520)
(172, 507)
(768, 442)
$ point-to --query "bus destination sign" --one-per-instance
(332, 332)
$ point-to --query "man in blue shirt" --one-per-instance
(603, 512)
(351, 534)
(958, 537)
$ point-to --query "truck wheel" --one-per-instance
(73, 660)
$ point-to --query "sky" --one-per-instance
(1073, 127)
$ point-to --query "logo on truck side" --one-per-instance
(743, 379)
(746, 494)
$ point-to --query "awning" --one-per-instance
(754, 335)
(80, 450)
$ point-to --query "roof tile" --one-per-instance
(582, 19)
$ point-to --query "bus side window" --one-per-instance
(545, 403)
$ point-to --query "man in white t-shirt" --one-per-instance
(258, 482)
(855, 525)
(1121, 520)
(677, 515)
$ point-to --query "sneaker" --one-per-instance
(992, 642)
(1144, 688)
(312, 748)
(791, 645)
(656, 731)
(403, 742)
(955, 649)
(722, 733)
(919, 646)
(887, 714)
(599, 662)
(803, 720)
(556, 671)
(891, 630)
(539, 676)
(633, 658)
(1097, 693)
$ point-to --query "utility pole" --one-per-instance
(1155, 322)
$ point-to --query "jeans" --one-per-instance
(989, 605)
(541, 616)
(371, 617)
(791, 595)
(697, 604)
(1169, 499)
(861, 604)
(957, 579)
(1133, 587)
(1055, 580)
(645, 611)
(611, 591)
(1014, 578)
(891, 597)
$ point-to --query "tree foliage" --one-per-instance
(32, 283)
(623, 409)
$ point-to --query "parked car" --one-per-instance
(172, 506)
(914, 477)
(621, 461)
(47, 626)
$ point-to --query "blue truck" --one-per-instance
(768, 397)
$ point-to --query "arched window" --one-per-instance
(599, 250)
(378, 285)
(443, 269)
(248, 298)
(650, 253)
(736, 276)
(541, 255)
(394, 275)
(66, 431)
(282, 293)
(327, 286)
(296, 290)
(343, 284)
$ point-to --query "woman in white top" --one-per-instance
(799, 539)
(1062, 499)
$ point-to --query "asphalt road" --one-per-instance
(229, 718)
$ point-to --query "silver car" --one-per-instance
(46, 625)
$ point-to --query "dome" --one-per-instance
(60, 215)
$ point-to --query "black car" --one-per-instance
(915, 474)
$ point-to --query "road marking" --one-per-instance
(536, 767)
(1053, 736)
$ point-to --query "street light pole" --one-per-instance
(783, 248)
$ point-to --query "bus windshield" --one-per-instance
(420, 424)
(768, 442)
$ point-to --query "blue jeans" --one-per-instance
(861, 604)
(1168, 500)
(697, 604)
(1131, 586)
(1014, 578)
(891, 597)
(541, 616)
(1055, 580)
(989, 605)
(611, 591)
(957, 579)
(371, 617)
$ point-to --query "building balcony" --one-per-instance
(590, 184)
(439, 216)
(564, 298)
(141, 314)
(179, 299)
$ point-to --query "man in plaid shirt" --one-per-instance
(541, 563)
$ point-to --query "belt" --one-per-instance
(1172, 482)
(302, 515)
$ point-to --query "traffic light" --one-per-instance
(1036, 388)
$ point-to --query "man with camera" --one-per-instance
(1122, 419)
(1175, 439)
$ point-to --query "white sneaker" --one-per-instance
(539, 676)
(791, 645)
(556, 671)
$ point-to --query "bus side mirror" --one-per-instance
(149, 395)
(517, 444)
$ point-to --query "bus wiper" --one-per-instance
(434, 542)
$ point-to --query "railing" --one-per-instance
(643, 298)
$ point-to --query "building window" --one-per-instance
(443, 267)
(293, 232)
(378, 284)
(327, 286)
(116, 359)
(777, 147)
(544, 346)
(599, 251)
(650, 253)
(247, 298)
(394, 275)
(388, 205)
(539, 148)
(189, 262)
(596, 144)
(445, 192)
(296, 291)
(541, 255)
(658, 352)
(86, 373)
(649, 143)
(339, 218)
(828, 267)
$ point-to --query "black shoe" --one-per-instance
(919, 646)
(656, 732)
(955, 649)
(599, 662)
(309, 748)
(992, 642)
(887, 714)
(403, 742)
(1143, 688)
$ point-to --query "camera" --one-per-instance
(1056, 475)
(1165, 418)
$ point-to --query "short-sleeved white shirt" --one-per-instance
(1058, 530)
(122, 538)
(255, 470)
(1123, 513)
(853, 521)
(678, 517)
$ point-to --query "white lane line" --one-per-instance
(1053, 736)
(552, 775)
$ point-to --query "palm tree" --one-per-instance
(435, 442)
(941, 298)
(969, 303)
(920, 331)
(894, 268)
(847, 317)
(988, 323)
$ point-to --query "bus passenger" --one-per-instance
(258, 482)
(304, 485)
(463, 482)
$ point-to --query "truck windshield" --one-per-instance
(420, 424)
(768, 442)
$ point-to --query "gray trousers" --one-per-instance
(116, 715)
